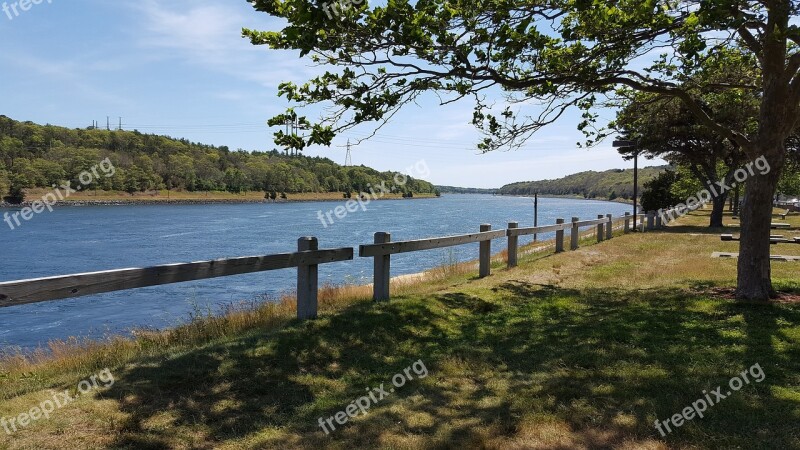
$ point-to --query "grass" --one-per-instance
(216, 196)
(582, 349)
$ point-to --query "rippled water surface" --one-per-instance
(85, 239)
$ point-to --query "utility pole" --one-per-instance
(108, 123)
(635, 186)
(120, 124)
(348, 160)
(288, 149)
(535, 212)
(627, 144)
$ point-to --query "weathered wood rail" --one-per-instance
(383, 247)
(307, 260)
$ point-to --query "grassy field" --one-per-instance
(583, 349)
(216, 196)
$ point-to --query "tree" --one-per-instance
(50, 172)
(658, 193)
(663, 126)
(789, 184)
(235, 180)
(555, 53)
(10, 149)
(180, 172)
(16, 195)
(5, 182)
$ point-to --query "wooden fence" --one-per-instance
(307, 260)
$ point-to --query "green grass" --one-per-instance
(583, 349)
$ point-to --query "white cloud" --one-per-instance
(209, 34)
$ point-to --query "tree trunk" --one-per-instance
(718, 211)
(754, 283)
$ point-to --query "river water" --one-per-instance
(93, 238)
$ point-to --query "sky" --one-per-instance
(181, 68)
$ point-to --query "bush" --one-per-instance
(15, 195)
(658, 192)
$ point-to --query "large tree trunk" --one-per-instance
(754, 283)
(718, 211)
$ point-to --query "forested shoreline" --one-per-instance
(610, 184)
(40, 156)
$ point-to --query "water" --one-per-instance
(94, 238)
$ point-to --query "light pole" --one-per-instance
(625, 145)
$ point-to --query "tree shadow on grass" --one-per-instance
(693, 229)
(604, 364)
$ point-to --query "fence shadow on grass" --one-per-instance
(522, 365)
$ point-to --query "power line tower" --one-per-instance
(348, 160)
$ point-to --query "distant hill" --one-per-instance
(40, 156)
(611, 184)
(463, 190)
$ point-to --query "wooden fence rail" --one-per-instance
(383, 248)
(306, 260)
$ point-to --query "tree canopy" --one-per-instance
(546, 56)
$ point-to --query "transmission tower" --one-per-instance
(348, 160)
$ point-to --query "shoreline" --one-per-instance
(570, 197)
(198, 201)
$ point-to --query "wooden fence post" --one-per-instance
(600, 229)
(627, 222)
(610, 226)
(513, 242)
(574, 234)
(485, 256)
(382, 270)
(307, 281)
(559, 237)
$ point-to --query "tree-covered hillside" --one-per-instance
(611, 184)
(464, 190)
(34, 155)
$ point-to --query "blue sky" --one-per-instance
(181, 68)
